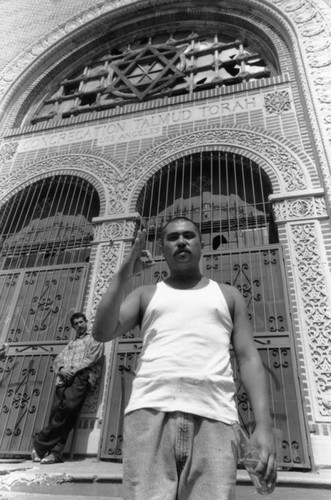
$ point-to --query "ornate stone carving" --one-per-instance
(307, 15)
(316, 308)
(302, 208)
(280, 160)
(326, 398)
(311, 19)
(113, 230)
(7, 151)
(19, 63)
(277, 102)
(106, 268)
(80, 165)
(120, 185)
(91, 402)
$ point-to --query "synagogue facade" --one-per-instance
(117, 115)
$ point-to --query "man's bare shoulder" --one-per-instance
(146, 293)
(229, 290)
(232, 296)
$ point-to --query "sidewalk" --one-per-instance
(84, 478)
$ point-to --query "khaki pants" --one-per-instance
(178, 456)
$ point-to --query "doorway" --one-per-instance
(226, 195)
(46, 235)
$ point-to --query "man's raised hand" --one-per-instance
(139, 258)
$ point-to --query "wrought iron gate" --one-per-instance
(45, 236)
(35, 309)
(227, 196)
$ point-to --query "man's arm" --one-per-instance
(253, 377)
(115, 316)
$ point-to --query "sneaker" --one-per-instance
(51, 458)
(34, 456)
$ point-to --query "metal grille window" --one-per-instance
(225, 193)
(162, 65)
(48, 223)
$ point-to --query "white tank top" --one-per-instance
(185, 364)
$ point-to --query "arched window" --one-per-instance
(45, 234)
(48, 223)
(225, 193)
(141, 68)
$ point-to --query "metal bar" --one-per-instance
(190, 213)
(39, 189)
(175, 189)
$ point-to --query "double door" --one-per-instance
(35, 309)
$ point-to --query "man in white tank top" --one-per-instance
(178, 440)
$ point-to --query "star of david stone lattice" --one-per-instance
(147, 71)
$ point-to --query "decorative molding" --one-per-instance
(279, 162)
(316, 311)
(116, 188)
(307, 16)
(105, 269)
(312, 22)
(100, 173)
(90, 406)
(7, 152)
(19, 63)
(110, 231)
(300, 208)
(277, 102)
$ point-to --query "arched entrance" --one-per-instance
(45, 234)
(226, 194)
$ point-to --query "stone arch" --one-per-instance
(101, 174)
(287, 170)
(86, 28)
(303, 24)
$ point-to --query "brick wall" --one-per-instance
(24, 21)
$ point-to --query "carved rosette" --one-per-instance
(277, 102)
(303, 208)
(7, 152)
(316, 309)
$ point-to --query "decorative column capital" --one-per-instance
(299, 207)
(119, 228)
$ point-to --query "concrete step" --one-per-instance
(90, 479)
(80, 492)
(8, 495)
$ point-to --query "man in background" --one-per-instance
(77, 369)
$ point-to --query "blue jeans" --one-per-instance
(178, 456)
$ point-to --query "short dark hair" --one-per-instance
(77, 315)
(175, 219)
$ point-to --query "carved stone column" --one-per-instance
(301, 220)
(110, 236)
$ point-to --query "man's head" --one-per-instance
(175, 219)
(182, 244)
(79, 323)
